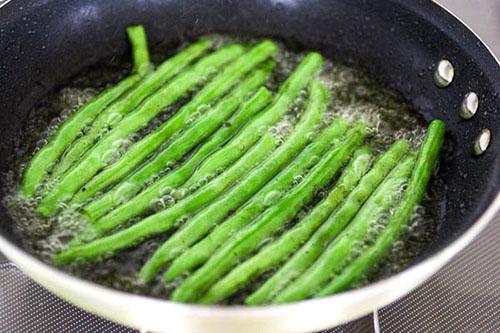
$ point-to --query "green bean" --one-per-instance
(139, 151)
(198, 226)
(129, 102)
(340, 250)
(424, 167)
(313, 248)
(97, 157)
(72, 127)
(276, 252)
(143, 201)
(68, 132)
(251, 133)
(239, 144)
(202, 250)
(250, 238)
(167, 219)
(140, 54)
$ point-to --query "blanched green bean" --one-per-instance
(72, 127)
(280, 249)
(68, 131)
(287, 94)
(338, 253)
(140, 53)
(202, 250)
(143, 201)
(165, 220)
(250, 238)
(313, 248)
(204, 221)
(239, 144)
(140, 150)
(109, 117)
(97, 157)
(424, 167)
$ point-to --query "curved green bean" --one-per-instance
(424, 167)
(248, 135)
(204, 221)
(280, 249)
(143, 201)
(338, 253)
(69, 130)
(99, 155)
(129, 102)
(72, 127)
(313, 248)
(140, 53)
(140, 150)
(287, 94)
(250, 238)
(167, 219)
(202, 250)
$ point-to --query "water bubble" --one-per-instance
(114, 118)
(298, 179)
(123, 192)
(120, 143)
(168, 200)
(202, 181)
(314, 159)
(110, 156)
(272, 198)
(165, 189)
(161, 203)
(273, 130)
(180, 193)
(310, 135)
(262, 130)
(202, 109)
(181, 221)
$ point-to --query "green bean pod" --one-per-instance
(250, 238)
(238, 145)
(313, 248)
(338, 253)
(112, 115)
(280, 249)
(140, 53)
(140, 150)
(104, 151)
(202, 250)
(143, 201)
(424, 167)
(167, 219)
(69, 130)
(204, 221)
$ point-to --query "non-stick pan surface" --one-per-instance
(44, 43)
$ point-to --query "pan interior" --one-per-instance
(398, 43)
(354, 96)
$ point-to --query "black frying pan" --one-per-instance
(44, 43)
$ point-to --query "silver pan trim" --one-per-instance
(4, 2)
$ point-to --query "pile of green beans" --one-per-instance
(233, 182)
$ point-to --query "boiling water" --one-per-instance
(354, 96)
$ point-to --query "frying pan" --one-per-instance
(400, 42)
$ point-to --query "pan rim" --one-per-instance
(398, 284)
